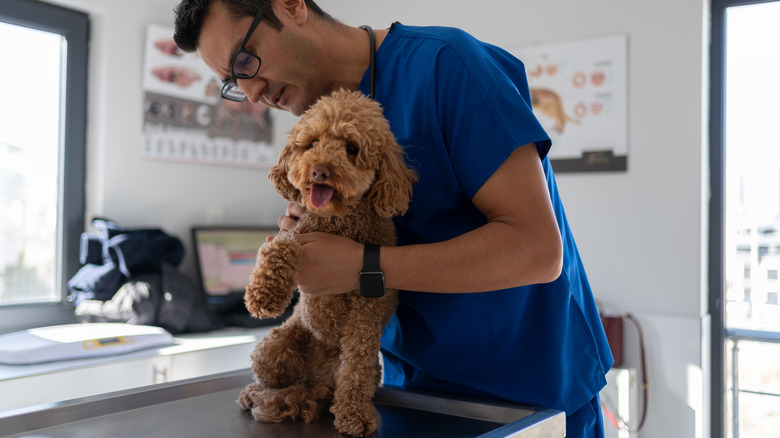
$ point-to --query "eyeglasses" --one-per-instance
(244, 65)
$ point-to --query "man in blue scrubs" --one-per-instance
(495, 302)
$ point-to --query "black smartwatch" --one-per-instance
(371, 278)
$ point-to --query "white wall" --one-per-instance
(641, 233)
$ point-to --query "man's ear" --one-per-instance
(295, 10)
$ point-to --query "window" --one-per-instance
(42, 153)
(744, 217)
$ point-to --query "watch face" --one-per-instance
(372, 284)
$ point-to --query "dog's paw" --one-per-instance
(262, 303)
(361, 420)
(296, 402)
(248, 395)
(272, 282)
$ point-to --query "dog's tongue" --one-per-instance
(321, 195)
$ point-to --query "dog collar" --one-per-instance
(371, 278)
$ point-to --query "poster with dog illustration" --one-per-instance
(186, 120)
(579, 94)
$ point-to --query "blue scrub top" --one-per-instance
(460, 107)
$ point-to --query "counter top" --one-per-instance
(207, 407)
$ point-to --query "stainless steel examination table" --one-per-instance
(206, 407)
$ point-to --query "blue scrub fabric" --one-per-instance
(460, 107)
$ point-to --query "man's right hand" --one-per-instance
(288, 222)
(290, 219)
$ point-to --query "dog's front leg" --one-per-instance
(357, 378)
(272, 282)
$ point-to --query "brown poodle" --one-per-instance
(343, 165)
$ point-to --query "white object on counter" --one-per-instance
(73, 341)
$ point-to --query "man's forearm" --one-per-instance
(489, 258)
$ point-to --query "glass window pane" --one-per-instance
(30, 143)
(752, 234)
(752, 219)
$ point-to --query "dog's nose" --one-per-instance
(320, 173)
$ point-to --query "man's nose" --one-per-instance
(251, 87)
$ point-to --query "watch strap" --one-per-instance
(371, 258)
(371, 279)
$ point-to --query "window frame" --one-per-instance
(74, 26)
(716, 262)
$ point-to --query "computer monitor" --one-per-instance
(224, 259)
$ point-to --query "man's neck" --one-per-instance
(347, 53)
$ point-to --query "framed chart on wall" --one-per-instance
(185, 120)
(579, 92)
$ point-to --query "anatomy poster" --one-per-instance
(185, 119)
(579, 94)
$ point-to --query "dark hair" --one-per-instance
(190, 15)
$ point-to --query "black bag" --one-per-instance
(113, 255)
(165, 298)
(130, 276)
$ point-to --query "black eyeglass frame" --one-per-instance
(230, 87)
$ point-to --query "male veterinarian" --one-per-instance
(504, 309)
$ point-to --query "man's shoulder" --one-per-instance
(432, 41)
(435, 34)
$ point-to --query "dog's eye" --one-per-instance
(352, 149)
(309, 146)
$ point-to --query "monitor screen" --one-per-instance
(226, 256)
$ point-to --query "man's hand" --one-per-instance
(288, 222)
(330, 264)
(290, 219)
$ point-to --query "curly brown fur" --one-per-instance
(343, 165)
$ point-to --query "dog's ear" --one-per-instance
(278, 177)
(392, 188)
